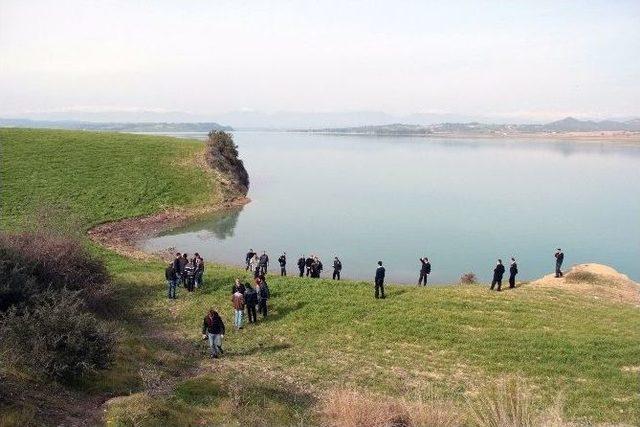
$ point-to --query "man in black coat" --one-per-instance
(337, 268)
(379, 280)
(425, 270)
(513, 270)
(559, 258)
(498, 272)
(283, 264)
(308, 263)
(301, 265)
(263, 262)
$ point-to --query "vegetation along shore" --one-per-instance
(550, 352)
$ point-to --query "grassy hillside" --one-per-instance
(444, 346)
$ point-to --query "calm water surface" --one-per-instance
(461, 202)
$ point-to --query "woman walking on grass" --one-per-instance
(213, 329)
(237, 299)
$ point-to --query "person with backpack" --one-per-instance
(513, 270)
(498, 272)
(263, 295)
(283, 264)
(251, 300)
(379, 280)
(172, 280)
(301, 265)
(559, 255)
(213, 329)
(337, 268)
(425, 270)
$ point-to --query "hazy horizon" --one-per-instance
(529, 62)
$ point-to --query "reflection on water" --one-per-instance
(219, 225)
(461, 202)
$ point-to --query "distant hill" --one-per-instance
(568, 124)
(116, 126)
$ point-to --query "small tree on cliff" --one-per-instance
(222, 155)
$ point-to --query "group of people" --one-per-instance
(184, 271)
(310, 266)
(499, 270)
(243, 297)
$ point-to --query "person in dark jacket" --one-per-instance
(264, 263)
(425, 270)
(172, 280)
(176, 266)
(498, 272)
(379, 280)
(316, 267)
(251, 300)
(513, 270)
(248, 258)
(213, 329)
(301, 265)
(283, 264)
(263, 295)
(559, 258)
(308, 263)
(189, 275)
(199, 270)
(237, 286)
(337, 268)
(183, 261)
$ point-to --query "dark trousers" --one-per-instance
(190, 282)
(423, 278)
(283, 271)
(498, 281)
(248, 265)
(336, 274)
(558, 267)
(251, 312)
(262, 307)
(512, 280)
(263, 269)
(302, 272)
(380, 289)
(257, 272)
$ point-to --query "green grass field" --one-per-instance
(447, 343)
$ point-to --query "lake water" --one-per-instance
(461, 202)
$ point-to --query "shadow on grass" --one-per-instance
(280, 311)
(258, 349)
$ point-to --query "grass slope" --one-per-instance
(448, 343)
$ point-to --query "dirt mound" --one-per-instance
(597, 280)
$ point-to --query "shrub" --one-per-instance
(581, 277)
(468, 279)
(222, 155)
(55, 337)
(32, 262)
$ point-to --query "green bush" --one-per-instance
(55, 337)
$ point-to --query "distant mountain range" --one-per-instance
(115, 126)
(568, 124)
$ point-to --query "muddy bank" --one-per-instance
(123, 236)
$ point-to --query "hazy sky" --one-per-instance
(512, 58)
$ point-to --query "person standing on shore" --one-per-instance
(254, 265)
(249, 258)
(189, 275)
(172, 280)
(213, 329)
(184, 260)
(264, 263)
(301, 265)
(559, 255)
(498, 272)
(513, 270)
(199, 270)
(337, 268)
(283, 264)
(308, 263)
(379, 280)
(425, 270)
